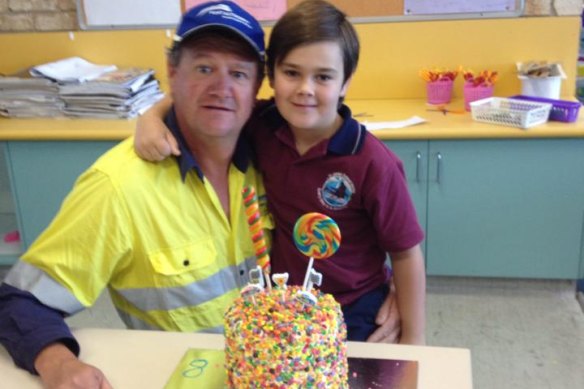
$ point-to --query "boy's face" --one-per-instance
(213, 92)
(307, 84)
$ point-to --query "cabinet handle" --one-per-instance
(418, 165)
(438, 166)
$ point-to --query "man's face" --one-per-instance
(213, 92)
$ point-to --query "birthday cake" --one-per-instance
(286, 336)
(277, 339)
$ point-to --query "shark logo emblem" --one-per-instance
(336, 192)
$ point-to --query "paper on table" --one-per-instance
(199, 368)
(372, 126)
(73, 69)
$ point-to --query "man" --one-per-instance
(170, 240)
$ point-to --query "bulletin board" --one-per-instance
(135, 14)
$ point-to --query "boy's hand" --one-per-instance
(388, 320)
(153, 141)
(153, 147)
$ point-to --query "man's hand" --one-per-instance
(60, 369)
(388, 320)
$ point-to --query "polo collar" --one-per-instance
(187, 161)
(348, 140)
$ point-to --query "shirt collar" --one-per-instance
(187, 161)
(349, 138)
(346, 141)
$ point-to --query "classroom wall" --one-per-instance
(391, 56)
(61, 15)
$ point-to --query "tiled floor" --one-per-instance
(523, 334)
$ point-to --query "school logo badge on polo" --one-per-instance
(336, 192)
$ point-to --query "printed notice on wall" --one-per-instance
(261, 9)
(107, 13)
(431, 7)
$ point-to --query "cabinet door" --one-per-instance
(9, 251)
(42, 174)
(414, 155)
(506, 208)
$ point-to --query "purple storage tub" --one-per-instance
(562, 110)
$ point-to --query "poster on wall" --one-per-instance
(263, 10)
(120, 13)
(430, 7)
(124, 14)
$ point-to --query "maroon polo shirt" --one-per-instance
(353, 178)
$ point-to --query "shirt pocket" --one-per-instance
(190, 258)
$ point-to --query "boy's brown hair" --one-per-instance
(313, 21)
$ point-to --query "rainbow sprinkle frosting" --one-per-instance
(280, 342)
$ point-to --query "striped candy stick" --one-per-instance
(254, 222)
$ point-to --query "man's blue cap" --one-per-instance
(222, 14)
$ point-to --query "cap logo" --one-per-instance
(224, 11)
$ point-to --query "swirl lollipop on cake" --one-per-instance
(254, 221)
(316, 236)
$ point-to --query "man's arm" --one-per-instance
(38, 340)
(410, 283)
(27, 326)
(30, 327)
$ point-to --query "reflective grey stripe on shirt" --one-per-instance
(196, 293)
(29, 278)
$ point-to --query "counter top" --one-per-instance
(452, 125)
(62, 128)
(437, 125)
(146, 359)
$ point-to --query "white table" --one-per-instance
(146, 359)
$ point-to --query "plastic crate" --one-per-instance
(562, 110)
(510, 112)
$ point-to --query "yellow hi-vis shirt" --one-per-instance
(163, 247)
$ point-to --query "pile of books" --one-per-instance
(76, 87)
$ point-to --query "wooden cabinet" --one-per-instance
(499, 208)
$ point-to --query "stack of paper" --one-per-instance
(22, 96)
(122, 93)
(72, 69)
(76, 87)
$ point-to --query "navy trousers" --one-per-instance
(360, 314)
